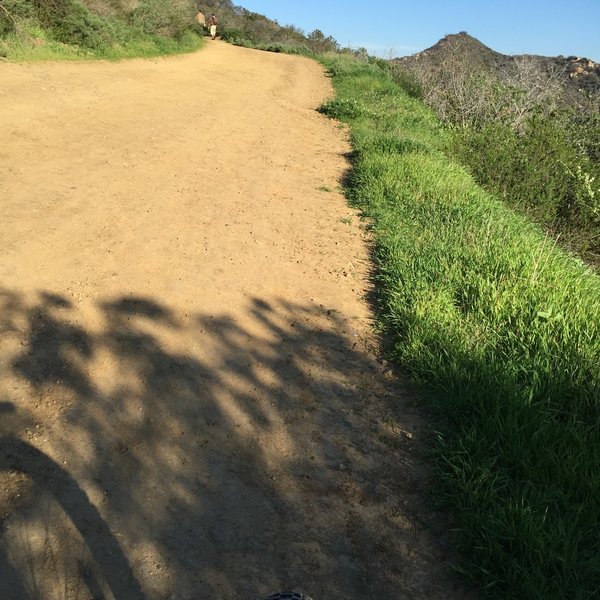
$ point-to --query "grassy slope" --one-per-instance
(503, 328)
(69, 30)
(33, 44)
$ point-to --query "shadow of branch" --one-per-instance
(234, 454)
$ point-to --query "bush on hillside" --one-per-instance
(11, 11)
(406, 80)
(547, 171)
(68, 21)
(109, 28)
(245, 28)
(169, 19)
(531, 170)
(320, 43)
(82, 28)
(522, 144)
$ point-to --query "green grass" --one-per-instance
(31, 43)
(238, 38)
(502, 329)
(561, 190)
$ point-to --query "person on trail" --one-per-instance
(212, 24)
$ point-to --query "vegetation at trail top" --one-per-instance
(527, 127)
(501, 328)
(83, 29)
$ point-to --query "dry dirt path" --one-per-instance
(189, 401)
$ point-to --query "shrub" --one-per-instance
(320, 43)
(68, 21)
(10, 12)
(84, 29)
(407, 81)
(236, 37)
(342, 108)
(72, 29)
(542, 171)
(520, 143)
(168, 19)
(18, 8)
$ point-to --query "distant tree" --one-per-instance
(319, 43)
(528, 89)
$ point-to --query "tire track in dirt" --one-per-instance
(185, 331)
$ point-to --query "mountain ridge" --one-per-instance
(577, 73)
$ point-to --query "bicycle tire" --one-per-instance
(286, 596)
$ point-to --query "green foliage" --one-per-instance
(523, 144)
(11, 12)
(343, 109)
(245, 28)
(250, 29)
(18, 8)
(585, 132)
(283, 48)
(67, 21)
(502, 328)
(347, 64)
(79, 27)
(168, 19)
(233, 36)
(541, 171)
(69, 29)
(236, 37)
(320, 43)
(382, 63)
(407, 81)
(521, 169)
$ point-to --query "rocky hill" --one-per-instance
(461, 49)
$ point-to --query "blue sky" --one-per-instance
(397, 28)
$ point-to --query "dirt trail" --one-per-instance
(190, 402)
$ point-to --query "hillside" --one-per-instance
(59, 29)
(527, 127)
(575, 73)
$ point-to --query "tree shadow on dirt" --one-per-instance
(229, 457)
